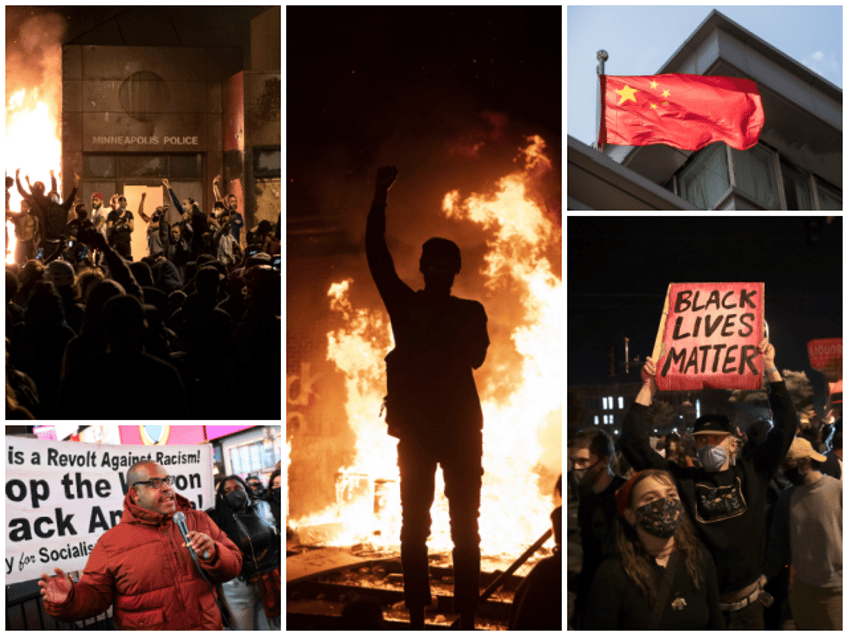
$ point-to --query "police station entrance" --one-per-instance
(131, 175)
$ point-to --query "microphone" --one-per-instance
(179, 519)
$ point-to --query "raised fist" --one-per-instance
(386, 177)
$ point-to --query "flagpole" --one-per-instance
(602, 56)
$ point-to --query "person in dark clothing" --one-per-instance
(661, 576)
(254, 597)
(591, 452)
(52, 212)
(432, 406)
(726, 501)
(119, 226)
(193, 217)
(126, 378)
(538, 600)
(274, 490)
(833, 464)
(38, 344)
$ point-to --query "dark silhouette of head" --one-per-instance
(38, 188)
(124, 324)
(440, 262)
(207, 281)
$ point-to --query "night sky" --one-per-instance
(447, 94)
(619, 269)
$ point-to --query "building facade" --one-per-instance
(797, 164)
(135, 115)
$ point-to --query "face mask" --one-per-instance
(275, 493)
(795, 476)
(660, 518)
(585, 476)
(712, 458)
(236, 499)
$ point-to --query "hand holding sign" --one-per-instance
(55, 589)
(767, 350)
(649, 372)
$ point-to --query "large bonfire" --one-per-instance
(522, 399)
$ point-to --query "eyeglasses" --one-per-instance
(156, 483)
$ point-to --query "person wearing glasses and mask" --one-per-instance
(254, 597)
(143, 566)
(724, 497)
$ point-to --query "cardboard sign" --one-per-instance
(62, 496)
(708, 337)
(825, 353)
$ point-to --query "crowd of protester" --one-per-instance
(717, 529)
(183, 332)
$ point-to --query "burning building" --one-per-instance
(126, 97)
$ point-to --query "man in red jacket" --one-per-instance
(143, 566)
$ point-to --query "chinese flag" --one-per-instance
(682, 111)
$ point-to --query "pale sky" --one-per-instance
(640, 39)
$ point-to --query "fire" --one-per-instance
(32, 139)
(12, 243)
(521, 393)
(33, 145)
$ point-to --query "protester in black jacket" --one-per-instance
(726, 501)
(254, 597)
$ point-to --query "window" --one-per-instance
(704, 181)
(620, 402)
(697, 408)
(98, 166)
(185, 167)
(604, 400)
(796, 188)
(267, 163)
(596, 420)
(829, 198)
(142, 166)
(753, 170)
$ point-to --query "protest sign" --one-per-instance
(825, 354)
(62, 496)
(708, 337)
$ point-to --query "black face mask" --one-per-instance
(794, 476)
(275, 493)
(236, 499)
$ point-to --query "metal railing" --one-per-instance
(27, 612)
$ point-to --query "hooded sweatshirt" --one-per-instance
(143, 568)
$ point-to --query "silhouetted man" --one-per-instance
(432, 406)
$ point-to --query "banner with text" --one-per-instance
(62, 496)
(708, 337)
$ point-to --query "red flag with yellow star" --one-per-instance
(679, 110)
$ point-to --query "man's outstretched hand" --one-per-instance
(56, 588)
(385, 178)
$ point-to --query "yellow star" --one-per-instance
(666, 93)
(653, 105)
(665, 103)
(653, 84)
(627, 93)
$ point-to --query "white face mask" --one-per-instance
(712, 457)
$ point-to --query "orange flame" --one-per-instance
(32, 140)
(515, 505)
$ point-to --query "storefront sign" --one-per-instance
(708, 337)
